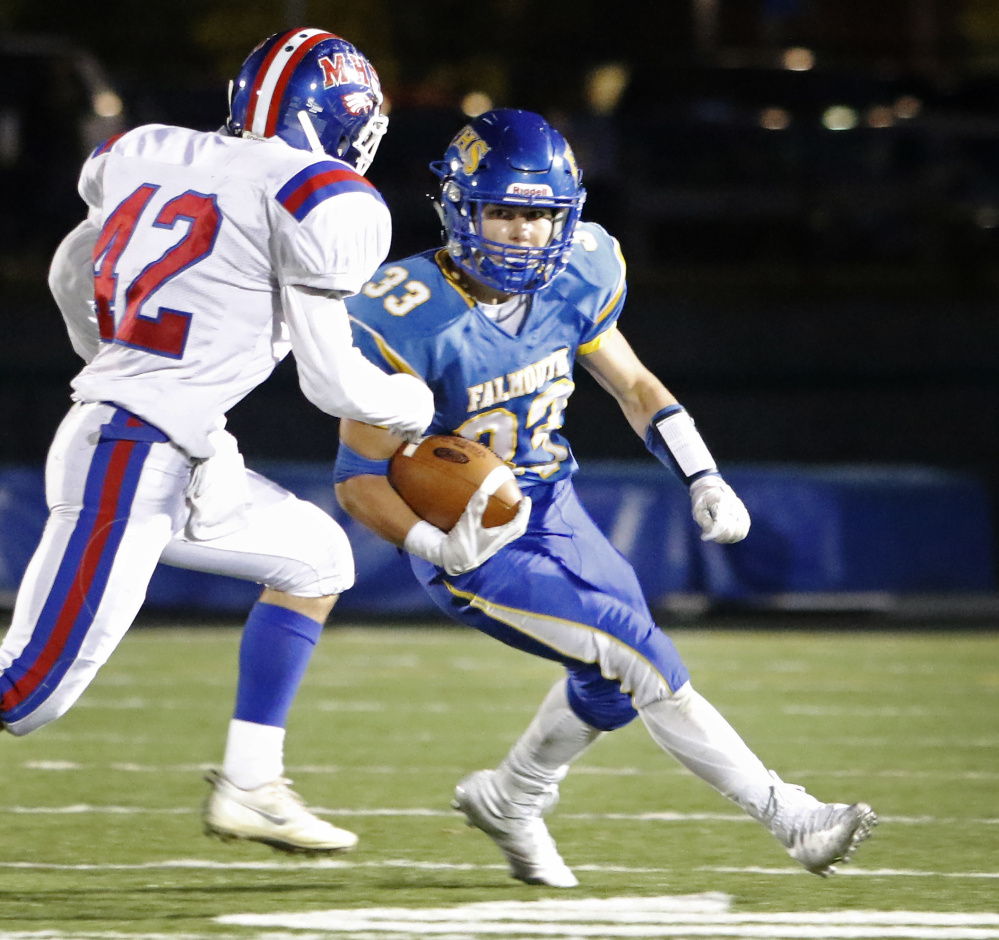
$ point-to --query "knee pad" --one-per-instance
(598, 701)
(322, 562)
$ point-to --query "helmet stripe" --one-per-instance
(258, 80)
(282, 84)
(272, 78)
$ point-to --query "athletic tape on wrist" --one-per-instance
(426, 541)
(674, 440)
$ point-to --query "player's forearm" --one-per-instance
(372, 502)
(334, 375)
(640, 408)
(638, 392)
(348, 386)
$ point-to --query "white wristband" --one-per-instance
(426, 541)
(685, 443)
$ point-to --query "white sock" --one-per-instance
(554, 739)
(690, 728)
(254, 754)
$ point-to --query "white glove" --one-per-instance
(419, 406)
(721, 515)
(469, 543)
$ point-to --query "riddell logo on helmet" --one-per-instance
(529, 189)
(345, 69)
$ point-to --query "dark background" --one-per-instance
(812, 295)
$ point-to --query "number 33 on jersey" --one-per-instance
(508, 392)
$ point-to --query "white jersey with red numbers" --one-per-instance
(199, 232)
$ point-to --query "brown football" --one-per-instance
(438, 475)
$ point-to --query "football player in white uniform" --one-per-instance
(204, 259)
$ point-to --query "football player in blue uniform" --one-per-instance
(494, 323)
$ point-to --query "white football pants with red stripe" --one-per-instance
(116, 494)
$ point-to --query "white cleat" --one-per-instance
(816, 834)
(517, 829)
(273, 814)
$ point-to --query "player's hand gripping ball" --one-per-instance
(436, 477)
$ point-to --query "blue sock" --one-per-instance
(276, 647)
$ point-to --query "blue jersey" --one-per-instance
(509, 392)
(561, 588)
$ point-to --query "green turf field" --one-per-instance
(101, 834)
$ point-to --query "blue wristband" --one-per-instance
(349, 463)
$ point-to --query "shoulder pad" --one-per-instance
(318, 181)
(596, 255)
(594, 281)
(396, 298)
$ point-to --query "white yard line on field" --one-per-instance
(390, 769)
(419, 865)
(704, 916)
(424, 811)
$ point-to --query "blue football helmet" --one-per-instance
(315, 91)
(511, 158)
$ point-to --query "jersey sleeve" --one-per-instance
(331, 228)
(91, 183)
(71, 281)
